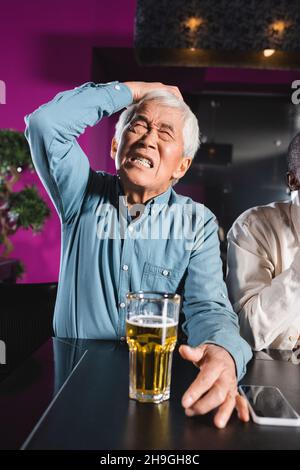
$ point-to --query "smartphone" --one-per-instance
(268, 406)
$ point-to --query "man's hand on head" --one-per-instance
(215, 387)
(140, 89)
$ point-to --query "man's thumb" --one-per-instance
(192, 354)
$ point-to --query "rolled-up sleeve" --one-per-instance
(209, 314)
(52, 130)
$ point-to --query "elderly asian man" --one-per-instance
(156, 138)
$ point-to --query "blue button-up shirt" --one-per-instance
(105, 253)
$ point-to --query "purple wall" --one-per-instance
(46, 47)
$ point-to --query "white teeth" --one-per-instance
(143, 161)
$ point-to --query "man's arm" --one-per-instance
(266, 305)
(209, 314)
(52, 131)
(212, 329)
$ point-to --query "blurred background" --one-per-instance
(234, 61)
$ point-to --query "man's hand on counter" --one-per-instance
(215, 387)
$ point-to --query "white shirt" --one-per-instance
(263, 275)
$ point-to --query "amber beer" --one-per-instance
(151, 339)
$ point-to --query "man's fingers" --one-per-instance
(140, 89)
(172, 89)
(225, 411)
(242, 408)
(203, 382)
(175, 89)
(211, 400)
(232, 400)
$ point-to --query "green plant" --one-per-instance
(24, 208)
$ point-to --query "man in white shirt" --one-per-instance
(263, 272)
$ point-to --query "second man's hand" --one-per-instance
(140, 89)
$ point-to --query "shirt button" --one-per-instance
(224, 296)
(122, 304)
(125, 267)
(130, 228)
(165, 272)
(117, 87)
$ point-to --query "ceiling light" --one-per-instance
(279, 26)
(193, 23)
(268, 52)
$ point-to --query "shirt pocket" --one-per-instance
(160, 278)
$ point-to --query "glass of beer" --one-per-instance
(151, 334)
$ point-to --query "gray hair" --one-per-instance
(190, 131)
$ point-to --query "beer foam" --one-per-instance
(151, 321)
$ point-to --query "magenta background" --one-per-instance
(46, 47)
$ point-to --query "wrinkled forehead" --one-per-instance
(159, 112)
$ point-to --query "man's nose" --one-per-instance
(150, 138)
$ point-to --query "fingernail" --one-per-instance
(189, 412)
(187, 402)
(221, 423)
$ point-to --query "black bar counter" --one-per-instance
(73, 394)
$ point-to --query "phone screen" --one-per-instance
(268, 402)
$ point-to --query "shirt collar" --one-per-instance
(295, 208)
(162, 198)
(295, 198)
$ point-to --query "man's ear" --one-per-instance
(182, 168)
(292, 181)
(113, 148)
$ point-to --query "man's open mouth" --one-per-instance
(143, 161)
